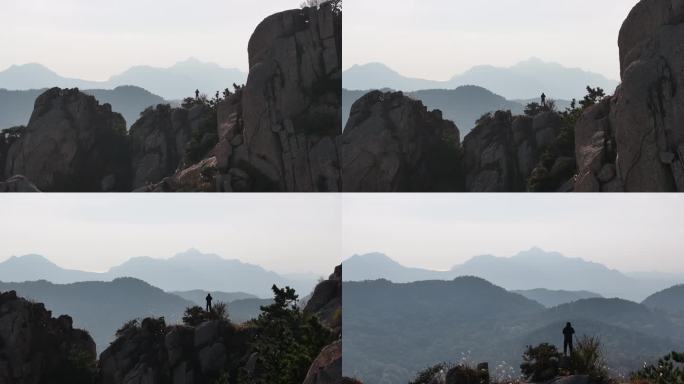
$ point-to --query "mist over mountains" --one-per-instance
(527, 270)
(172, 83)
(525, 80)
(393, 330)
(185, 271)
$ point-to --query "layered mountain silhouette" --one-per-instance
(393, 330)
(102, 307)
(185, 271)
(670, 300)
(551, 298)
(16, 107)
(531, 269)
(524, 80)
(172, 83)
(463, 105)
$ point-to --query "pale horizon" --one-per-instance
(437, 39)
(94, 40)
(628, 233)
(281, 233)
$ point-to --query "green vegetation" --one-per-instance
(425, 376)
(587, 359)
(541, 363)
(668, 370)
(196, 315)
(286, 341)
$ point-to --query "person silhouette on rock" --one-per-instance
(197, 94)
(568, 333)
(543, 100)
(209, 298)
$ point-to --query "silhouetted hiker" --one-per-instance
(543, 98)
(568, 333)
(197, 94)
(209, 298)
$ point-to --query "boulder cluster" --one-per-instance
(275, 133)
(37, 348)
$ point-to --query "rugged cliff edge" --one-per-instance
(37, 348)
(275, 133)
(634, 140)
(392, 143)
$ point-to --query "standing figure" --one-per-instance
(568, 333)
(543, 100)
(197, 94)
(209, 298)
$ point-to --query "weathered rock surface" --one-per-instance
(72, 143)
(392, 143)
(327, 368)
(18, 184)
(326, 301)
(501, 153)
(279, 135)
(577, 379)
(153, 353)
(37, 348)
(158, 141)
(634, 140)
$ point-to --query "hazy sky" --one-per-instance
(285, 233)
(94, 39)
(436, 39)
(626, 232)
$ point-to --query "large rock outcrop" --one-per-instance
(503, 150)
(37, 348)
(159, 140)
(72, 143)
(326, 304)
(153, 353)
(392, 143)
(634, 140)
(279, 134)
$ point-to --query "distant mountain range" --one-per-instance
(670, 300)
(392, 331)
(16, 107)
(103, 307)
(185, 271)
(550, 298)
(531, 269)
(172, 83)
(525, 80)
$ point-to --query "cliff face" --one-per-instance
(289, 111)
(159, 139)
(37, 348)
(634, 140)
(72, 143)
(152, 353)
(392, 143)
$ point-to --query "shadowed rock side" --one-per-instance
(392, 143)
(634, 140)
(280, 135)
(72, 143)
(37, 348)
(326, 304)
(159, 138)
(155, 353)
(17, 184)
(503, 151)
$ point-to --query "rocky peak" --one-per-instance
(37, 348)
(393, 143)
(72, 143)
(326, 301)
(634, 140)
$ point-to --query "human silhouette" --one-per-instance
(568, 333)
(197, 94)
(209, 298)
(543, 99)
